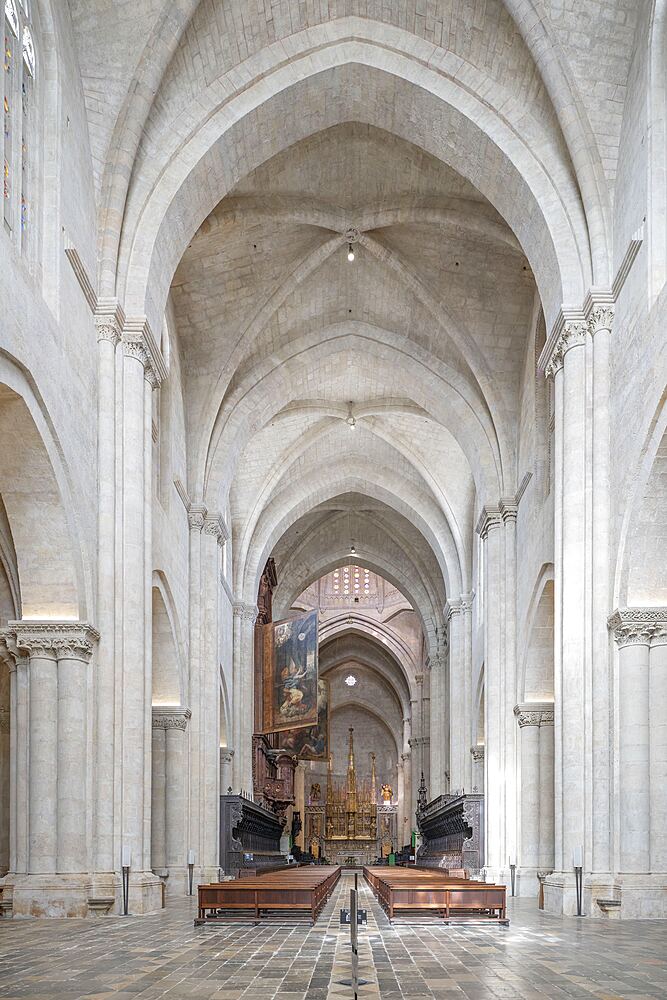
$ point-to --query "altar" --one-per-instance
(351, 826)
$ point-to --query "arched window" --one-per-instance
(20, 68)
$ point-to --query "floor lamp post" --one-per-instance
(578, 865)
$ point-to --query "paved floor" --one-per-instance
(141, 958)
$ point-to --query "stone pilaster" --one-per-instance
(535, 851)
(169, 792)
(244, 618)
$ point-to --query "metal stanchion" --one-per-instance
(125, 862)
(191, 868)
(578, 865)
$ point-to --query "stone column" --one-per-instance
(169, 848)
(536, 833)
(641, 637)
(74, 652)
(244, 616)
(458, 614)
(50, 773)
(408, 815)
(133, 723)
(213, 538)
(109, 322)
(600, 322)
(159, 798)
(438, 732)
(658, 742)
(4, 790)
(196, 519)
(226, 776)
(633, 638)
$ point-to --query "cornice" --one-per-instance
(55, 639)
(639, 626)
(490, 517)
(534, 713)
(170, 717)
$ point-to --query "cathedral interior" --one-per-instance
(333, 483)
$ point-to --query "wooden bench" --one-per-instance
(266, 894)
(426, 891)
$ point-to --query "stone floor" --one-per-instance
(141, 958)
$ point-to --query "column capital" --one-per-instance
(477, 753)
(570, 331)
(56, 639)
(419, 741)
(246, 612)
(197, 516)
(534, 713)
(405, 757)
(226, 755)
(109, 320)
(215, 525)
(639, 626)
(139, 343)
(489, 518)
(170, 717)
(601, 317)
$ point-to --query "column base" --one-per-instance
(497, 876)
(78, 895)
(608, 896)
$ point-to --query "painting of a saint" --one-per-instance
(311, 742)
(290, 673)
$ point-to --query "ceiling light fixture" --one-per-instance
(350, 253)
(349, 420)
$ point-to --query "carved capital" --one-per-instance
(246, 612)
(601, 318)
(170, 717)
(478, 753)
(639, 626)
(226, 755)
(58, 640)
(536, 713)
(573, 334)
(136, 346)
(214, 525)
(109, 319)
(197, 516)
(508, 509)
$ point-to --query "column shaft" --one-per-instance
(494, 698)
(43, 773)
(658, 752)
(72, 756)
(546, 803)
(175, 770)
(530, 796)
(158, 801)
(633, 670)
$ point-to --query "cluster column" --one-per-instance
(577, 358)
(244, 616)
(169, 800)
(641, 637)
(536, 802)
(50, 764)
(497, 529)
(458, 615)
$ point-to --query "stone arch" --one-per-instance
(169, 672)
(160, 222)
(387, 643)
(53, 578)
(640, 531)
(535, 680)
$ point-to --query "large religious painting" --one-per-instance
(311, 742)
(290, 674)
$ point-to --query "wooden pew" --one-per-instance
(304, 890)
(427, 891)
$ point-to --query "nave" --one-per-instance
(537, 957)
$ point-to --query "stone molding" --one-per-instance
(419, 741)
(489, 518)
(639, 626)
(170, 717)
(4, 720)
(574, 325)
(534, 713)
(55, 639)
